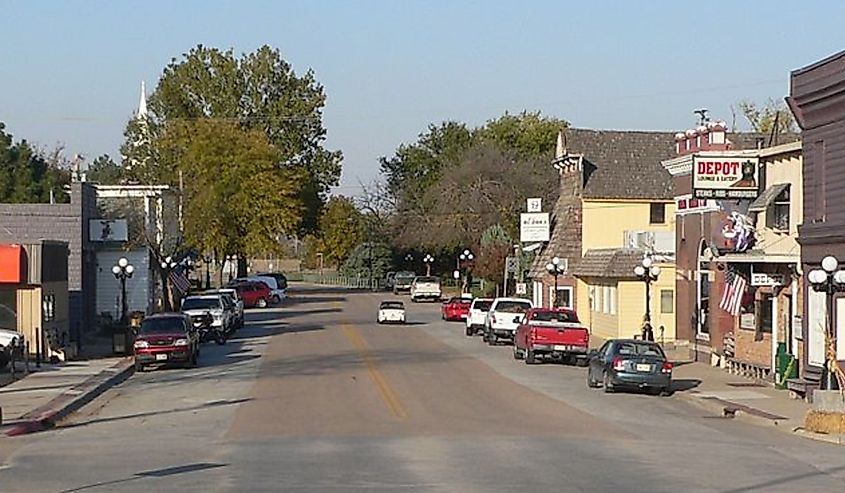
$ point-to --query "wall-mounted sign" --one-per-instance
(721, 177)
(107, 230)
(535, 205)
(521, 288)
(534, 226)
(764, 279)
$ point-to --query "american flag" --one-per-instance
(734, 290)
(179, 279)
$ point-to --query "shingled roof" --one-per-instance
(623, 164)
(617, 263)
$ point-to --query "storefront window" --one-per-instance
(8, 308)
(766, 315)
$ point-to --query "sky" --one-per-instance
(72, 69)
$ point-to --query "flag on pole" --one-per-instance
(179, 279)
(733, 292)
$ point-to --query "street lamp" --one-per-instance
(554, 268)
(829, 280)
(465, 256)
(647, 272)
(320, 255)
(167, 265)
(122, 271)
(206, 259)
(427, 260)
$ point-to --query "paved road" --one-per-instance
(314, 396)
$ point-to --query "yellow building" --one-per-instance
(615, 207)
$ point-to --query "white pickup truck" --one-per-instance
(502, 319)
(425, 288)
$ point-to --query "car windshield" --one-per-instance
(163, 325)
(392, 305)
(554, 316)
(426, 279)
(632, 348)
(513, 306)
(201, 304)
(460, 301)
(482, 305)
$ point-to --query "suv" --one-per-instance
(281, 279)
(166, 338)
(402, 282)
(277, 293)
(238, 303)
(477, 315)
(425, 288)
(198, 305)
(253, 294)
(503, 318)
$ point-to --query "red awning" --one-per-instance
(12, 264)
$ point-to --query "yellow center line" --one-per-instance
(387, 394)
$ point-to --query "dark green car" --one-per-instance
(630, 364)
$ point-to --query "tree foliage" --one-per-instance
(494, 248)
(105, 171)
(258, 91)
(341, 229)
(770, 117)
(236, 197)
(26, 176)
(368, 259)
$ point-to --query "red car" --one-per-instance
(551, 333)
(254, 293)
(455, 309)
(166, 338)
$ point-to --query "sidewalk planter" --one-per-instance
(828, 413)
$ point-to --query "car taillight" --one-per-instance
(618, 364)
(532, 333)
(141, 344)
(667, 367)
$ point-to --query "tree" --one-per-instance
(236, 198)
(368, 260)
(27, 176)
(529, 135)
(341, 228)
(771, 118)
(105, 171)
(258, 91)
(495, 246)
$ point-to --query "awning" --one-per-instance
(757, 257)
(768, 196)
(531, 248)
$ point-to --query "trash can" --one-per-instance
(787, 366)
(120, 340)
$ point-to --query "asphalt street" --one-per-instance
(315, 396)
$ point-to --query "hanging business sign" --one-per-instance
(535, 205)
(721, 177)
(763, 279)
(534, 226)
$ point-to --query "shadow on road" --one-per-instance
(199, 407)
(685, 384)
(169, 471)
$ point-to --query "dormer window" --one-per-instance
(779, 212)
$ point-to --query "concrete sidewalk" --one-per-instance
(52, 392)
(735, 396)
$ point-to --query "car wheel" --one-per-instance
(469, 332)
(517, 353)
(276, 299)
(262, 303)
(590, 382)
(581, 362)
(530, 357)
(608, 387)
(139, 367)
(492, 339)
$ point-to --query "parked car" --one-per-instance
(277, 294)
(9, 340)
(165, 338)
(502, 319)
(402, 282)
(455, 308)
(196, 306)
(554, 333)
(390, 280)
(391, 312)
(632, 364)
(237, 300)
(477, 315)
(281, 279)
(425, 288)
(254, 294)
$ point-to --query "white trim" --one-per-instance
(816, 312)
(561, 288)
(775, 329)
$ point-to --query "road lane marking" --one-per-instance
(387, 394)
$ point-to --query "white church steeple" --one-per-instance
(142, 105)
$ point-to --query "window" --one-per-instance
(563, 298)
(613, 300)
(779, 212)
(605, 293)
(593, 300)
(766, 313)
(657, 213)
(667, 301)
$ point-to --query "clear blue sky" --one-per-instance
(72, 69)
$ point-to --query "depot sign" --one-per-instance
(721, 177)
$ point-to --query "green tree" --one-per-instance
(768, 118)
(26, 176)
(258, 91)
(105, 171)
(240, 201)
(368, 260)
(529, 135)
(341, 228)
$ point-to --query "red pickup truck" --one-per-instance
(551, 333)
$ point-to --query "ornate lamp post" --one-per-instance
(122, 271)
(554, 268)
(427, 260)
(167, 265)
(829, 280)
(464, 257)
(647, 272)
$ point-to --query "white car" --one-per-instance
(8, 339)
(478, 315)
(198, 305)
(391, 312)
(501, 319)
(425, 288)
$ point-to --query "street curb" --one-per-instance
(720, 408)
(821, 437)
(70, 401)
